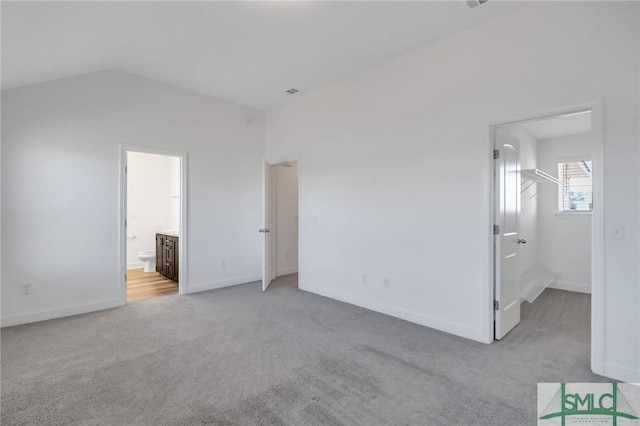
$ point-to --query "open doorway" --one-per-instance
(547, 217)
(152, 212)
(281, 225)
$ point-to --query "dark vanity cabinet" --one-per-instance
(167, 256)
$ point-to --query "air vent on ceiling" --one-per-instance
(292, 91)
(475, 3)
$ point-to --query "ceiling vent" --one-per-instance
(475, 3)
(292, 91)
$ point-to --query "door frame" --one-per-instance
(266, 192)
(182, 241)
(297, 163)
(597, 221)
(275, 226)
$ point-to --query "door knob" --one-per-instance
(522, 241)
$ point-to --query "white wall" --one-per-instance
(395, 173)
(60, 187)
(153, 188)
(286, 218)
(565, 238)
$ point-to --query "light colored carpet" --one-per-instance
(236, 356)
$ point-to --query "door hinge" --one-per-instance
(496, 229)
(125, 169)
(125, 223)
(496, 305)
(496, 154)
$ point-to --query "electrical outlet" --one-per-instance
(26, 289)
(364, 278)
(223, 264)
(387, 282)
(286, 254)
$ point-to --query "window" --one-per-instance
(575, 193)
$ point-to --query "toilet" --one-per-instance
(149, 259)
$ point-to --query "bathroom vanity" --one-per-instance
(167, 255)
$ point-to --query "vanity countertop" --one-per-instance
(170, 232)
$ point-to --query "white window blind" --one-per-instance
(576, 190)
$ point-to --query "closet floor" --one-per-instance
(143, 285)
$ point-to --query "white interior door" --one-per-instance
(268, 270)
(507, 238)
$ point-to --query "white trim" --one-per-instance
(122, 216)
(182, 242)
(488, 293)
(427, 321)
(573, 215)
(286, 271)
(299, 221)
(621, 373)
(573, 158)
(58, 312)
(569, 286)
(274, 181)
(224, 283)
(597, 223)
(183, 284)
(265, 192)
(135, 265)
(597, 240)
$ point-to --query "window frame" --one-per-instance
(574, 213)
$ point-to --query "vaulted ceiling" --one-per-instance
(244, 52)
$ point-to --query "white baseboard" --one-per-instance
(621, 373)
(286, 271)
(569, 286)
(220, 284)
(421, 319)
(58, 312)
(135, 265)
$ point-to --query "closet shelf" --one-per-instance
(537, 175)
(531, 176)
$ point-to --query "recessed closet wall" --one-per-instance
(564, 238)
